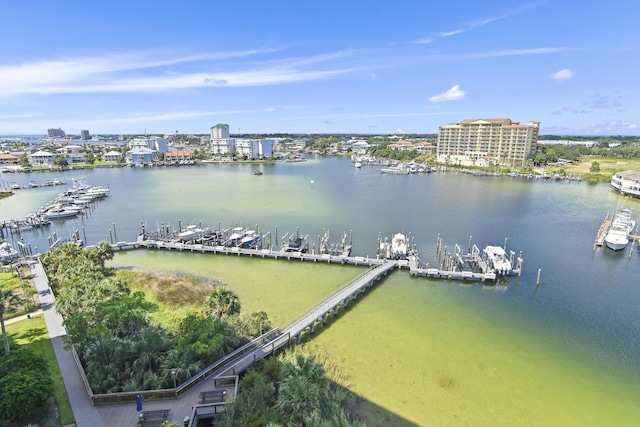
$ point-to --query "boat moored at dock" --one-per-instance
(617, 237)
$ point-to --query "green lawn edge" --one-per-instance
(33, 334)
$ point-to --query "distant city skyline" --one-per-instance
(327, 67)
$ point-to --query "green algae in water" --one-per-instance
(415, 352)
(280, 288)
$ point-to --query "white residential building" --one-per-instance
(41, 158)
(111, 156)
(73, 154)
(220, 131)
(160, 145)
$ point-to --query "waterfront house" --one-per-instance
(178, 156)
(73, 154)
(41, 158)
(111, 156)
(627, 182)
(9, 160)
(141, 156)
(424, 147)
(402, 146)
(360, 147)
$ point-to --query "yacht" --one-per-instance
(60, 212)
(617, 238)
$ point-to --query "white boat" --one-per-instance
(399, 246)
(395, 170)
(61, 212)
(250, 239)
(190, 232)
(358, 165)
(237, 234)
(617, 238)
(498, 260)
(7, 253)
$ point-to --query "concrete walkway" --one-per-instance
(85, 413)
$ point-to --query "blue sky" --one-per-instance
(318, 66)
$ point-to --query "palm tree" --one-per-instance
(7, 297)
(221, 303)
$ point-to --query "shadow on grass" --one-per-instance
(31, 334)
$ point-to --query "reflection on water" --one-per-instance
(431, 352)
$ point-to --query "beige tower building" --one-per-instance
(487, 142)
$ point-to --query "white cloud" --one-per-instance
(562, 75)
(142, 72)
(452, 94)
(482, 22)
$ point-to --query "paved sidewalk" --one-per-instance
(85, 413)
(23, 317)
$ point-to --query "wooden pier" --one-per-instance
(602, 232)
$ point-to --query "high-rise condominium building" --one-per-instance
(487, 142)
(220, 131)
(56, 133)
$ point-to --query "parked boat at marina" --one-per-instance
(191, 232)
(8, 253)
(396, 249)
(61, 212)
(497, 259)
(617, 238)
(250, 239)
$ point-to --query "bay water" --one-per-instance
(415, 351)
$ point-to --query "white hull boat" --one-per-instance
(617, 238)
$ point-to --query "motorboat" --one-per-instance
(399, 246)
(61, 212)
(395, 170)
(237, 234)
(617, 238)
(296, 243)
(8, 253)
(250, 239)
(258, 172)
(497, 259)
(190, 232)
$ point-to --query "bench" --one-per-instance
(153, 417)
(212, 396)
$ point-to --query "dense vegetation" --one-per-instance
(110, 327)
(292, 390)
(25, 385)
(624, 147)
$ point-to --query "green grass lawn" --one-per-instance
(33, 334)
